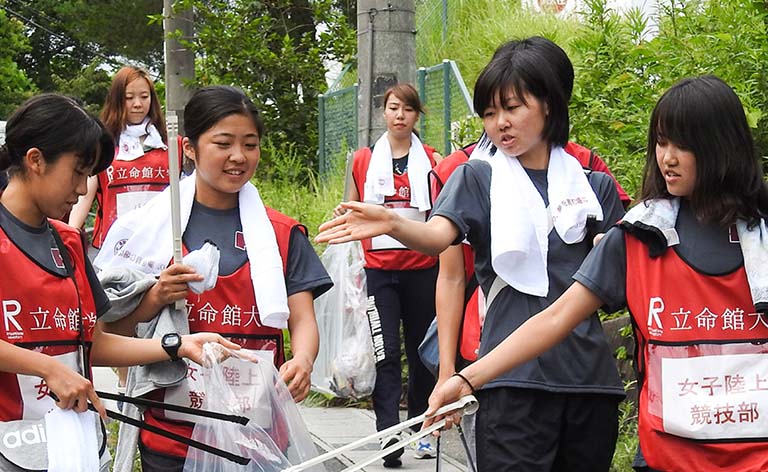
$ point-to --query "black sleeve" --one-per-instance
(99, 296)
(465, 200)
(604, 271)
(305, 272)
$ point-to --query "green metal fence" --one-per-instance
(446, 101)
(441, 90)
(337, 125)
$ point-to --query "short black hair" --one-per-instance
(209, 105)
(55, 124)
(536, 66)
(704, 115)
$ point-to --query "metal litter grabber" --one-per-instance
(467, 405)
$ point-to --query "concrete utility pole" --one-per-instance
(179, 61)
(386, 55)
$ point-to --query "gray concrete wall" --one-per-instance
(386, 39)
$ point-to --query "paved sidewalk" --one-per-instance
(335, 427)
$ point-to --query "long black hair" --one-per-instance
(704, 115)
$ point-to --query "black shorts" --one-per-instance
(524, 430)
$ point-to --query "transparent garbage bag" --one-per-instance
(246, 383)
(345, 365)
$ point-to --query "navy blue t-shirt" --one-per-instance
(583, 362)
(304, 271)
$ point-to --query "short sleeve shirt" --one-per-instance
(583, 362)
(304, 271)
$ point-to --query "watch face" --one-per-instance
(171, 339)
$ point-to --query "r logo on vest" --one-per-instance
(11, 308)
(655, 306)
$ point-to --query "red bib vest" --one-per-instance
(703, 401)
(230, 310)
(126, 185)
(384, 252)
(57, 321)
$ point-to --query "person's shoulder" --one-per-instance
(445, 168)
(281, 221)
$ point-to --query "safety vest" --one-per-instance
(385, 252)
(57, 320)
(701, 357)
(126, 185)
(230, 310)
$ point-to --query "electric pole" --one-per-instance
(386, 55)
(179, 60)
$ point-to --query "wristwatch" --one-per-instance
(171, 342)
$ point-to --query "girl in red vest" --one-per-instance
(50, 338)
(525, 206)
(268, 273)
(687, 262)
(401, 282)
(139, 171)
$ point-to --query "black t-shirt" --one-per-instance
(583, 362)
(37, 242)
(708, 248)
(304, 271)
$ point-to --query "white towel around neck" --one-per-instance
(142, 240)
(380, 181)
(662, 215)
(130, 146)
(520, 223)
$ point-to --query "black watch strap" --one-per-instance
(171, 343)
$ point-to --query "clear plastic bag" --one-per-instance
(246, 383)
(345, 365)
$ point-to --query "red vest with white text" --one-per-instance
(701, 360)
(126, 185)
(230, 310)
(42, 312)
(384, 252)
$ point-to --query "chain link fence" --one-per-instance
(447, 103)
(442, 92)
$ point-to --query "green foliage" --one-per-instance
(15, 86)
(90, 85)
(620, 72)
(273, 51)
(288, 186)
(627, 443)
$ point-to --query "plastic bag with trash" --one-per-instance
(246, 383)
(345, 365)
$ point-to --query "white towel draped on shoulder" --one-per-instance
(520, 223)
(142, 240)
(662, 215)
(130, 146)
(380, 181)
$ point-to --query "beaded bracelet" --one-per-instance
(459, 375)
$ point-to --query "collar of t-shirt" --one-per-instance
(222, 228)
(400, 165)
(36, 242)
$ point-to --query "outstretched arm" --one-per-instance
(364, 220)
(79, 212)
(536, 336)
